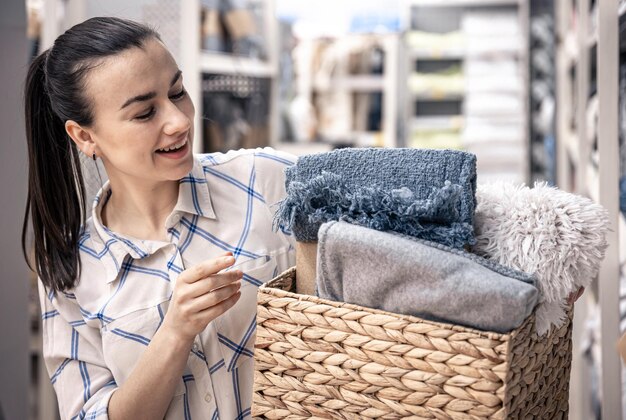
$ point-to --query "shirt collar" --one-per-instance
(193, 198)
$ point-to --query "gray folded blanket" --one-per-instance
(429, 194)
(405, 275)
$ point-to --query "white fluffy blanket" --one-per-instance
(558, 236)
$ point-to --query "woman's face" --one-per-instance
(143, 117)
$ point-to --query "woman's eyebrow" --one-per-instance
(150, 95)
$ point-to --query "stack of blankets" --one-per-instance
(410, 232)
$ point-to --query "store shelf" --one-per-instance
(303, 148)
(457, 54)
(358, 139)
(437, 96)
(458, 43)
(454, 122)
(463, 3)
(229, 64)
(356, 83)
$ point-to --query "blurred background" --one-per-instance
(534, 88)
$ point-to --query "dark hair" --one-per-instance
(54, 93)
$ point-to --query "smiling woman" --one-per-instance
(129, 294)
(149, 105)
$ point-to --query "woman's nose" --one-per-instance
(176, 121)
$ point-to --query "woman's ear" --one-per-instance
(82, 137)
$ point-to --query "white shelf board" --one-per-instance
(356, 83)
(359, 139)
(421, 54)
(463, 3)
(303, 148)
(437, 96)
(230, 64)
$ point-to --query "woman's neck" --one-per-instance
(140, 211)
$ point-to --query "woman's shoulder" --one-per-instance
(90, 245)
(256, 154)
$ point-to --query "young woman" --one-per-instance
(144, 313)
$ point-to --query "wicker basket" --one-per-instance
(324, 359)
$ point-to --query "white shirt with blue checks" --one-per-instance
(95, 333)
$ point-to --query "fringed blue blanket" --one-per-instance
(428, 194)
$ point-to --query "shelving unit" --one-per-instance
(198, 62)
(184, 41)
(386, 84)
(585, 57)
(445, 62)
(217, 63)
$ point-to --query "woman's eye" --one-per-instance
(147, 115)
(179, 95)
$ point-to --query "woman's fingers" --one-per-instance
(214, 297)
(206, 269)
(201, 294)
(204, 286)
(217, 310)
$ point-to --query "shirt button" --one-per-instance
(207, 398)
(194, 347)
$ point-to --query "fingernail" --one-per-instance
(229, 260)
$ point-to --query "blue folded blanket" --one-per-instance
(405, 275)
(429, 194)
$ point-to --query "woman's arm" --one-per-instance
(200, 296)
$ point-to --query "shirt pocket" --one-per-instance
(236, 328)
(126, 338)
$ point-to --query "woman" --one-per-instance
(144, 314)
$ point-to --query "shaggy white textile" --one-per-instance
(558, 236)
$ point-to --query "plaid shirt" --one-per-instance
(95, 333)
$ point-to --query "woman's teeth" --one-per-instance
(174, 147)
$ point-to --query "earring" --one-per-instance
(93, 157)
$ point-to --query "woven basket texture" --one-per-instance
(316, 358)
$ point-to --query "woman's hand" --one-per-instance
(202, 294)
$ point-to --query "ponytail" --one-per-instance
(54, 94)
(56, 193)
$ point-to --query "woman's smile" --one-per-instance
(175, 151)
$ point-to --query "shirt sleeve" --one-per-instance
(72, 351)
(270, 165)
